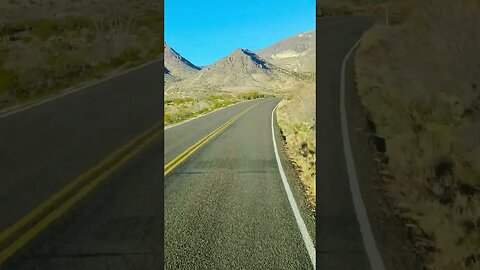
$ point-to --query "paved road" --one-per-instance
(340, 246)
(225, 206)
(45, 147)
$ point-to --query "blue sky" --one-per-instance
(205, 31)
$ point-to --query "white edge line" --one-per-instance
(374, 257)
(307, 240)
(196, 117)
(9, 111)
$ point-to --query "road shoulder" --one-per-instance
(392, 237)
(70, 90)
(308, 214)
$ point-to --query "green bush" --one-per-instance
(178, 101)
(167, 118)
(251, 95)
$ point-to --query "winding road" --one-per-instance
(74, 192)
(226, 206)
(81, 180)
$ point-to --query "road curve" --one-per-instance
(341, 244)
(225, 205)
(44, 148)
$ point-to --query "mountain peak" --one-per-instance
(176, 64)
(241, 55)
(170, 52)
(243, 69)
(241, 51)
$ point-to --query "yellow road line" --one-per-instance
(90, 180)
(187, 153)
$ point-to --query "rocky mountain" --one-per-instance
(176, 66)
(241, 70)
(295, 53)
(278, 67)
(167, 76)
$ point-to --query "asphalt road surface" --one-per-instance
(119, 225)
(340, 243)
(225, 206)
(47, 146)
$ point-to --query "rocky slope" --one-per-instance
(177, 66)
(240, 71)
(295, 53)
(279, 67)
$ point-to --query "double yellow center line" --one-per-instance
(25, 229)
(185, 154)
(29, 226)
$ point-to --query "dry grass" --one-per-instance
(420, 81)
(296, 119)
(180, 109)
(349, 7)
(64, 43)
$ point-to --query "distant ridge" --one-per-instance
(295, 53)
(240, 70)
(275, 68)
(176, 65)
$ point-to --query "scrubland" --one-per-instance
(419, 79)
(47, 47)
(349, 7)
(181, 109)
(296, 119)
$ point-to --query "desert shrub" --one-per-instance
(252, 95)
(10, 29)
(76, 23)
(335, 10)
(296, 119)
(100, 69)
(45, 28)
(167, 118)
(129, 55)
(180, 109)
(155, 49)
(152, 20)
(27, 39)
(8, 81)
(349, 7)
(52, 53)
(178, 101)
(419, 81)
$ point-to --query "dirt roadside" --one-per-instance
(392, 235)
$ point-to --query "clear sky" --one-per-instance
(205, 31)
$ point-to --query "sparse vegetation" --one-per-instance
(296, 119)
(187, 92)
(68, 43)
(181, 109)
(350, 7)
(420, 81)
